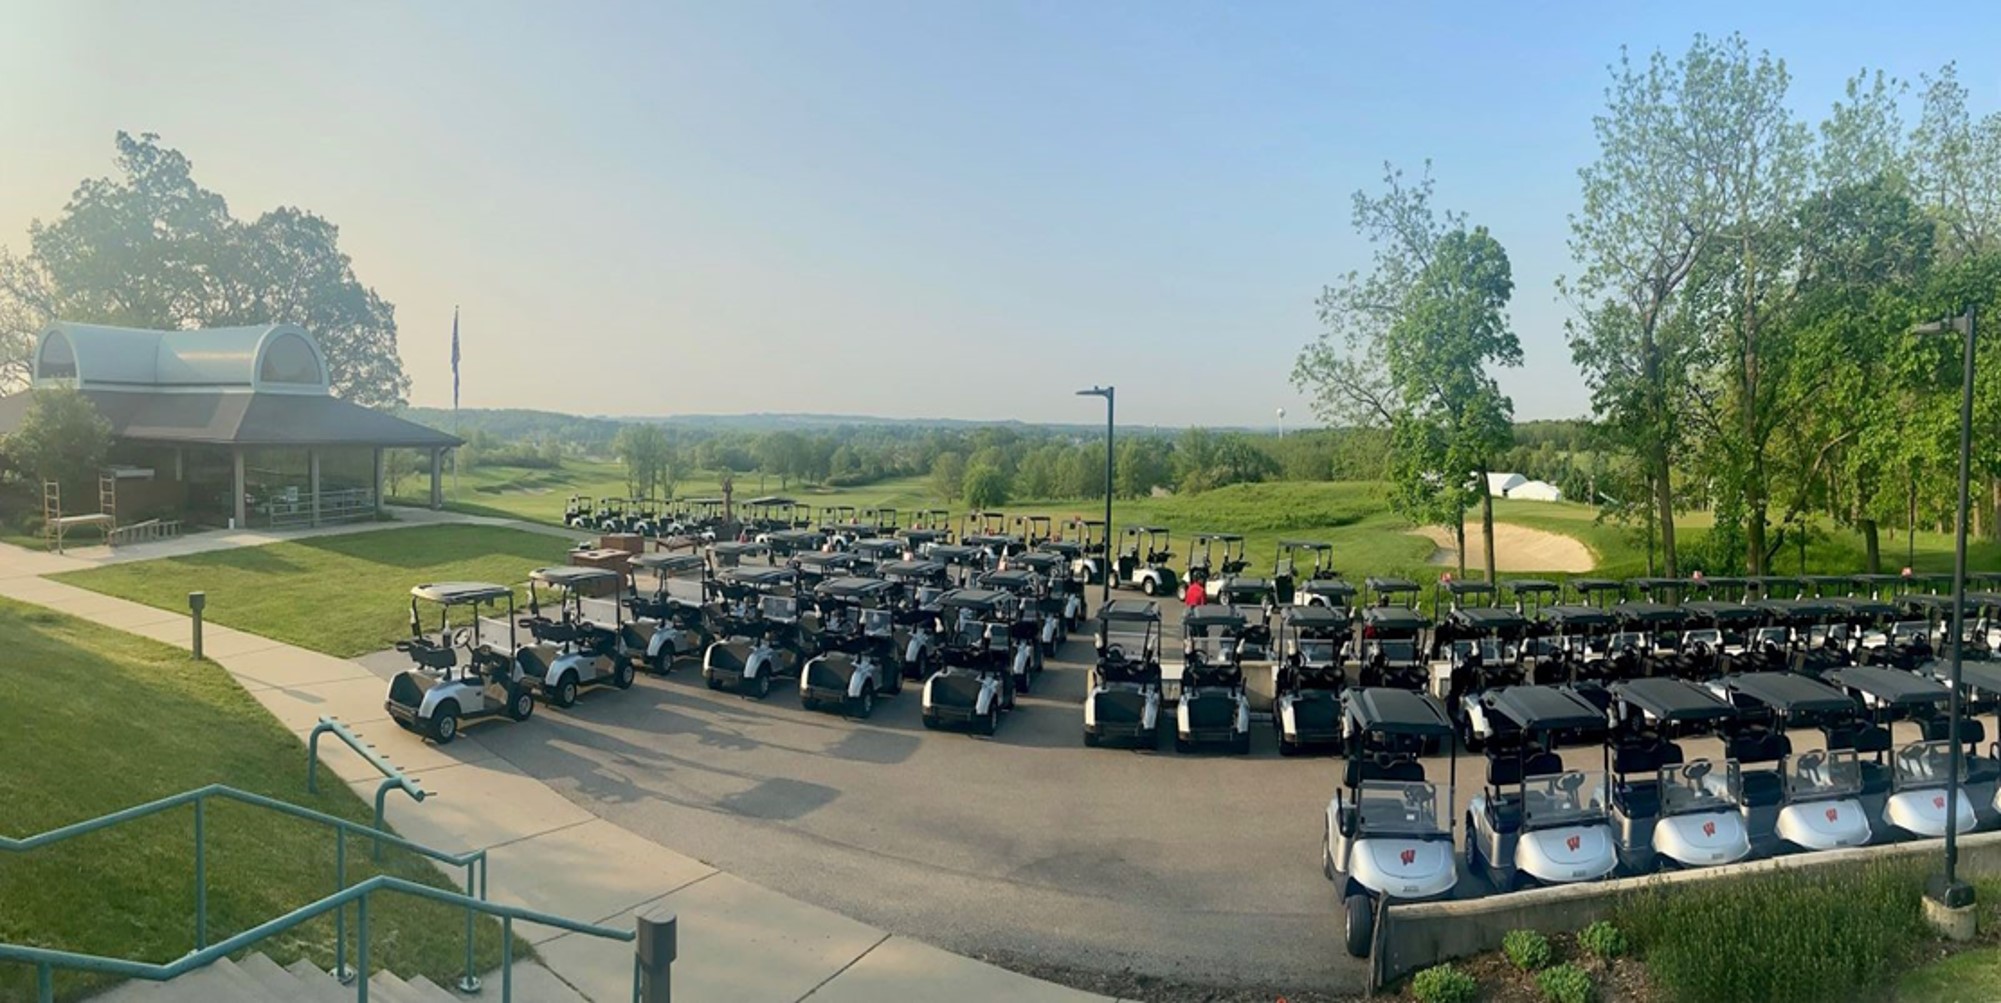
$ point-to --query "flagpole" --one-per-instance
(455, 399)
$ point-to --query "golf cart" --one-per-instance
(1918, 770)
(1213, 706)
(1535, 820)
(961, 562)
(1665, 807)
(876, 552)
(1388, 829)
(770, 513)
(1051, 629)
(584, 644)
(820, 566)
(1203, 561)
(1713, 641)
(731, 554)
(1482, 651)
(1034, 530)
(919, 540)
(1292, 585)
(1064, 595)
(1084, 542)
(1641, 645)
(996, 547)
(792, 542)
(861, 647)
(671, 620)
(1392, 653)
(1599, 592)
(1981, 682)
(765, 635)
(1574, 649)
(1124, 702)
(1142, 562)
(976, 680)
(1308, 677)
(439, 692)
(577, 512)
(1810, 803)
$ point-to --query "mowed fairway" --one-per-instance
(98, 720)
(342, 595)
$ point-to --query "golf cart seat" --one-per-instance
(1762, 788)
(532, 661)
(429, 654)
(634, 637)
(1640, 798)
(1977, 769)
(1864, 740)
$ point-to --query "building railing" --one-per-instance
(296, 509)
(393, 778)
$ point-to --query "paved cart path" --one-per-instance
(739, 940)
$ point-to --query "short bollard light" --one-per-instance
(656, 948)
(196, 600)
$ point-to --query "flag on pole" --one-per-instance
(455, 358)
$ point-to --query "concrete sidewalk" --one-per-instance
(77, 558)
(738, 941)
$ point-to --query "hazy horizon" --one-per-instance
(957, 212)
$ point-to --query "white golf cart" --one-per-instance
(445, 689)
(760, 633)
(861, 647)
(1124, 702)
(977, 680)
(1916, 805)
(1142, 562)
(580, 647)
(1213, 706)
(1308, 677)
(1665, 807)
(1536, 822)
(670, 617)
(1388, 832)
(1808, 801)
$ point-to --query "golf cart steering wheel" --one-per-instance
(1416, 797)
(1115, 653)
(462, 638)
(1570, 783)
(1696, 770)
(1811, 762)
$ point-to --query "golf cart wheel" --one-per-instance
(1182, 745)
(662, 662)
(1090, 739)
(1021, 686)
(930, 722)
(1361, 925)
(621, 677)
(809, 703)
(1149, 586)
(991, 722)
(1241, 745)
(1286, 747)
(520, 703)
(714, 683)
(1474, 865)
(893, 682)
(445, 723)
(566, 690)
(762, 688)
(862, 706)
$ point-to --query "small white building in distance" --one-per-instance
(1499, 485)
(1536, 491)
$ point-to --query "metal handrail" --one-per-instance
(48, 960)
(393, 777)
(474, 862)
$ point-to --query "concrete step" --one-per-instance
(273, 980)
(258, 979)
(430, 992)
(322, 987)
(385, 987)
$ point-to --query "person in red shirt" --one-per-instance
(1196, 594)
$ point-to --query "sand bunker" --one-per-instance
(1516, 548)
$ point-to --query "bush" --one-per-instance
(1603, 940)
(1526, 949)
(1444, 984)
(1566, 983)
(1781, 936)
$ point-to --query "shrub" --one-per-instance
(1526, 949)
(1603, 940)
(1782, 936)
(1444, 984)
(1566, 983)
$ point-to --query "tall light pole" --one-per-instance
(1949, 892)
(1107, 393)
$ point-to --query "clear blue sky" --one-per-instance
(910, 209)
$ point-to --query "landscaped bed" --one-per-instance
(342, 595)
(96, 720)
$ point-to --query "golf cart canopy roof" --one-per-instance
(1243, 583)
(984, 600)
(1543, 708)
(1489, 619)
(1469, 587)
(1212, 615)
(669, 563)
(1395, 711)
(915, 535)
(760, 578)
(1891, 686)
(912, 569)
(1219, 537)
(1982, 676)
(1316, 618)
(1720, 612)
(1306, 545)
(1765, 583)
(1652, 614)
(1390, 586)
(701, 501)
(1038, 560)
(1524, 586)
(1008, 579)
(1790, 693)
(878, 547)
(951, 554)
(1393, 618)
(1059, 548)
(1135, 530)
(1652, 585)
(857, 589)
(460, 593)
(1578, 616)
(1130, 611)
(1866, 580)
(1718, 582)
(991, 539)
(811, 537)
(1819, 580)
(1800, 609)
(1586, 586)
(820, 559)
(568, 577)
(1668, 699)
(1863, 608)
(764, 501)
(1328, 587)
(732, 548)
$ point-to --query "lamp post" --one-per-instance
(1107, 393)
(1948, 891)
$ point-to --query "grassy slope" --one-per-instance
(98, 720)
(344, 595)
(539, 495)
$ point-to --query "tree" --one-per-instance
(985, 486)
(152, 248)
(648, 456)
(61, 438)
(948, 475)
(1454, 325)
(27, 305)
(1957, 166)
(1143, 463)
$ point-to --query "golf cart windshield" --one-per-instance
(1133, 644)
(1698, 785)
(1212, 650)
(780, 608)
(1492, 650)
(1818, 775)
(1923, 764)
(599, 611)
(1775, 636)
(878, 621)
(1398, 807)
(1317, 651)
(1562, 799)
(1398, 652)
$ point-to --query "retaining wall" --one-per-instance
(1415, 936)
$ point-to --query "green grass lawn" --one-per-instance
(98, 720)
(343, 595)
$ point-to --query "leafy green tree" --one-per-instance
(1143, 463)
(61, 438)
(985, 486)
(948, 476)
(152, 248)
(648, 456)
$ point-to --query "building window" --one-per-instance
(288, 359)
(58, 360)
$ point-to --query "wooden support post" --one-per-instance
(313, 481)
(437, 479)
(381, 478)
(236, 496)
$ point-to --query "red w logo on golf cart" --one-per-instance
(1938, 803)
(1833, 815)
(1709, 828)
(1573, 842)
(1409, 857)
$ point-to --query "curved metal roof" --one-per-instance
(130, 358)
